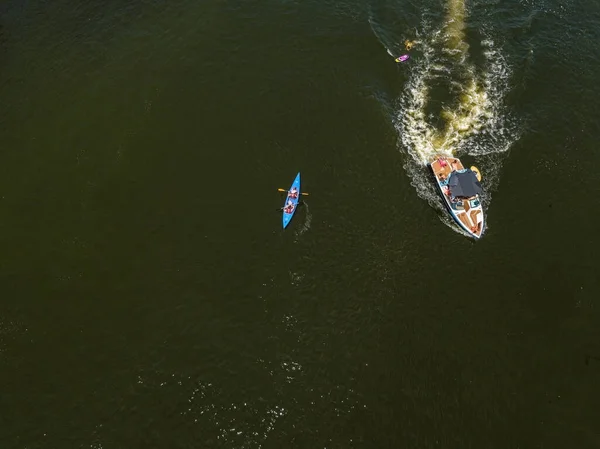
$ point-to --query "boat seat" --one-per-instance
(465, 220)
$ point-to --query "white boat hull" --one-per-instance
(466, 212)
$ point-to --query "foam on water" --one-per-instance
(478, 109)
(474, 123)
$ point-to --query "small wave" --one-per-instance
(305, 226)
(478, 109)
(476, 123)
(296, 278)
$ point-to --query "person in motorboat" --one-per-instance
(293, 193)
(442, 162)
(441, 178)
(289, 207)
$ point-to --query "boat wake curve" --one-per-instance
(450, 105)
(306, 224)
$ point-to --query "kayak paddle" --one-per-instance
(283, 190)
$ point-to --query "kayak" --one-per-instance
(402, 58)
(287, 213)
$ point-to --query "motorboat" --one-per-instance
(460, 189)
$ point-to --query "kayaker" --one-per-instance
(289, 207)
(293, 193)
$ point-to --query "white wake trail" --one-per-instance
(475, 122)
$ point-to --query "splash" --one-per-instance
(455, 26)
(452, 106)
(476, 106)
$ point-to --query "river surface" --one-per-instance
(150, 299)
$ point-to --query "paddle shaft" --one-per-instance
(283, 190)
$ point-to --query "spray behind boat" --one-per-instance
(477, 96)
(471, 120)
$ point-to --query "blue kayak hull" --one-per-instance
(287, 217)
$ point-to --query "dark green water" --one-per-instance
(149, 299)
